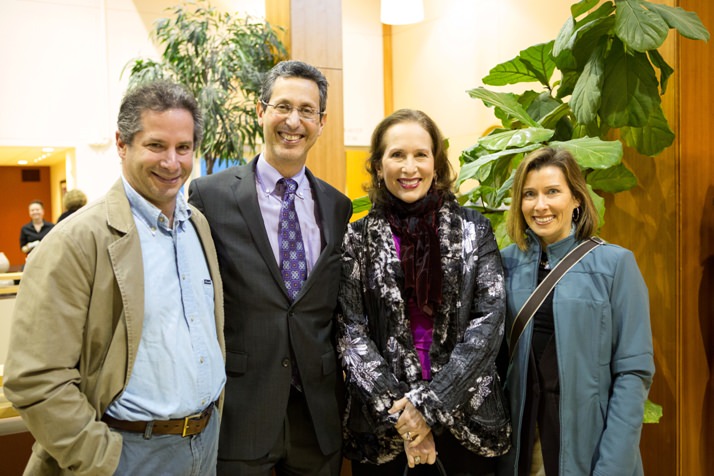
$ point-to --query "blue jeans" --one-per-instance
(170, 455)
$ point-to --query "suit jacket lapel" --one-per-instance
(325, 211)
(246, 196)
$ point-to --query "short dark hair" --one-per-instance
(157, 96)
(38, 202)
(444, 179)
(294, 69)
(516, 225)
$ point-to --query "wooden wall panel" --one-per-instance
(644, 220)
(314, 35)
(696, 251)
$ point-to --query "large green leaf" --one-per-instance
(665, 69)
(470, 170)
(539, 60)
(576, 40)
(582, 6)
(498, 223)
(599, 203)
(592, 34)
(541, 105)
(653, 412)
(361, 204)
(593, 152)
(652, 138)
(585, 101)
(510, 72)
(515, 138)
(613, 179)
(505, 101)
(639, 28)
(687, 23)
(532, 64)
(629, 90)
(563, 46)
(550, 120)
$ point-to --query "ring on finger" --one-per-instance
(417, 460)
(407, 436)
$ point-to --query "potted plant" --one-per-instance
(608, 93)
(220, 58)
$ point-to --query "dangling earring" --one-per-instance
(576, 214)
(379, 182)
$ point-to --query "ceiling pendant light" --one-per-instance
(402, 12)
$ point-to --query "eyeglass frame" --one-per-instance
(292, 108)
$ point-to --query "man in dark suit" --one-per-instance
(284, 390)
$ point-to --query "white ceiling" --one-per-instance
(34, 156)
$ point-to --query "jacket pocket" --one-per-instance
(329, 363)
(487, 430)
(236, 363)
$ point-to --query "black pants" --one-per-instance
(296, 451)
(457, 461)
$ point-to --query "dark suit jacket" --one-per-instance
(261, 322)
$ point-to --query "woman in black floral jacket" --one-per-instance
(422, 312)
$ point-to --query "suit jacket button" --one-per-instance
(286, 362)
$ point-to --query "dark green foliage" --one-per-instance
(221, 58)
(611, 79)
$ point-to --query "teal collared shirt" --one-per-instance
(179, 368)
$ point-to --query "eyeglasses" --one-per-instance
(285, 109)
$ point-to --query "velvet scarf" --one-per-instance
(416, 225)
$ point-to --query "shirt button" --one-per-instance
(286, 362)
(201, 360)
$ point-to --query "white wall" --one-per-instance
(60, 79)
(362, 63)
(436, 61)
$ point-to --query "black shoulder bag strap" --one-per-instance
(541, 292)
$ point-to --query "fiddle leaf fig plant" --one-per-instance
(220, 58)
(607, 93)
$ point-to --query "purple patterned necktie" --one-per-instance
(293, 264)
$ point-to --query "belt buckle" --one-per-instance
(187, 420)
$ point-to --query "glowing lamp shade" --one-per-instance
(402, 12)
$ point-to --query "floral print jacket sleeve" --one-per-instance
(377, 348)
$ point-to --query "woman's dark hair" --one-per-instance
(444, 176)
(586, 224)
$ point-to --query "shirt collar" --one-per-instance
(150, 213)
(267, 178)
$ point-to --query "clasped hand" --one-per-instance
(419, 443)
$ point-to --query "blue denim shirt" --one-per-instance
(179, 368)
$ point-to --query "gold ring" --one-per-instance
(417, 460)
(408, 436)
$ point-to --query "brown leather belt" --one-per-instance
(188, 426)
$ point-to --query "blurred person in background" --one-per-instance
(32, 233)
(73, 200)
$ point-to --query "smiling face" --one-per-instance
(547, 204)
(160, 158)
(407, 166)
(37, 212)
(289, 138)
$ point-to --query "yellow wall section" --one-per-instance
(357, 175)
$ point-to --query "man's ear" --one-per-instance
(260, 109)
(121, 146)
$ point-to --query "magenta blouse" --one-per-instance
(422, 328)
